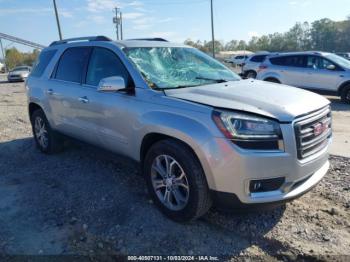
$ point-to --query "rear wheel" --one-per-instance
(251, 74)
(176, 181)
(47, 140)
(345, 94)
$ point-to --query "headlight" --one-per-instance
(249, 131)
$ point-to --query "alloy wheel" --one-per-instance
(170, 182)
(41, 132)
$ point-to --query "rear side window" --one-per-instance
(258, 58)
(72, 63)
(42, 62)
(293, 61)
(105, 63)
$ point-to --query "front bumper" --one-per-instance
(16, 78)
(229, 169)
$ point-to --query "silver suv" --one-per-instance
(201, 134)
(323, 72)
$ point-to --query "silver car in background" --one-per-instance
(19, 73)
(200, 133)
(323, 72)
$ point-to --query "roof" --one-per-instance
(301, 53)
(147, 43)
(144, 42)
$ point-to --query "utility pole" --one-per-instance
(116, 20)
(121, 26)
(57, 20)
(3, 55)
(212, 28)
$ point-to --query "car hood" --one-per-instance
(273, 100)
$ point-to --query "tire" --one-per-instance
(272, 80)
(345, 94)
(251, 74)
(195, 201)
(49, 142)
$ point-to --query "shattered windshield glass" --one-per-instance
(176, 67)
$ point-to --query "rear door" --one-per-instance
(67, 97)
(290, 68)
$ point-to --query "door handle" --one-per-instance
(83, 99)
(49, 91)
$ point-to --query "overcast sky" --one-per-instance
(175, 20)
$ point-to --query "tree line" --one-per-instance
(14, 58)
(322, 35)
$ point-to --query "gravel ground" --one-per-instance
(87, 201)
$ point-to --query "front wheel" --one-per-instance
(345, 94)
(176, 181)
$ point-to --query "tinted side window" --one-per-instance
(42, 62)
(258, 58)
(293, 61)
(105, 63)
(278, 60)
(72, 63)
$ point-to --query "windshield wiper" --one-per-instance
(176, 87)
(212, 79)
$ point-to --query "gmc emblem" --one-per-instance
(319, 128)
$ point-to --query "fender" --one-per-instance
(184, 128)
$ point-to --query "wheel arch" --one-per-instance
(272, 78)
(33, 107)
(154, 137)
(342, 86)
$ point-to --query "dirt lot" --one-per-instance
(88, 201)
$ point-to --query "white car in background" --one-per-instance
(251, 65)
(237, 60)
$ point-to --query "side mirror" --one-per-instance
(331, 67)
(111, 84)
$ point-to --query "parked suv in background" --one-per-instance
(251, 65)
(200, 132)
(325, 72)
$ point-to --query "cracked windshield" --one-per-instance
(177, 67)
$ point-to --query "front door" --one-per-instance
(108, 111)
(322, 74)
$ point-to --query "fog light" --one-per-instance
(265, 185)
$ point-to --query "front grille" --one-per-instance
(312, 132)
(15, 76)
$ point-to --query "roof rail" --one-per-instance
(149, 39)
(77, 39)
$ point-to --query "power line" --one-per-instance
(176, 2)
